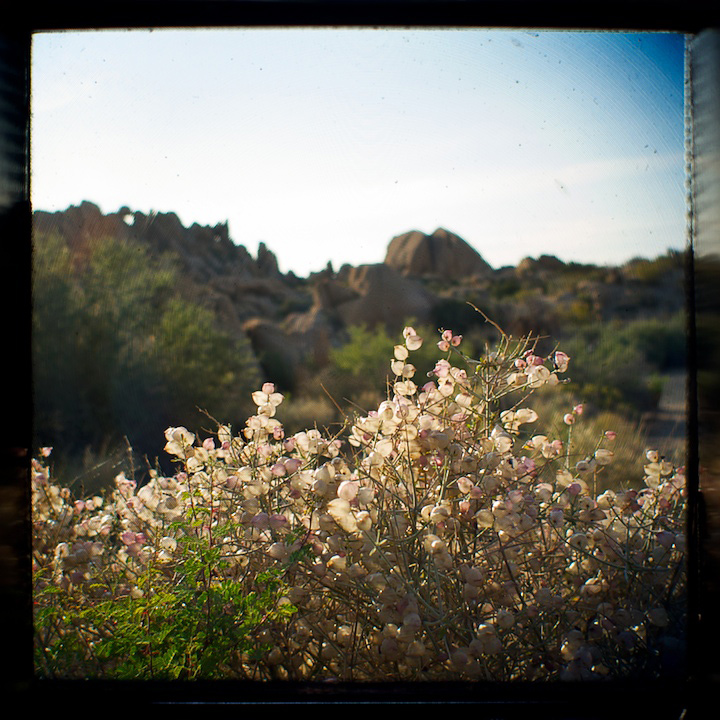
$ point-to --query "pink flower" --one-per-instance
(526, 466)
(260, 521)
(568, 418)
(292, 465)
(561, 361)
(610, 434)
(278, 521)
(128, 537)
(442, 368)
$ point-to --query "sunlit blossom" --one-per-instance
(267, 399)
(412, 340)
(443, 498)
(562, 361)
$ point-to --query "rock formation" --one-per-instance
(291, 321)
(443, 255)
(215, 271)
(385, 297)
(543, 264)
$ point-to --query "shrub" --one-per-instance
(610, 370)
(442, 540)
(118, 352)
(661, 340)
(129, 589)
(359, 368)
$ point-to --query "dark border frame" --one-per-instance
(671, 700)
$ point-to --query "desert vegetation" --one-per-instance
(120, 352)
(364, 475)
(449, 533)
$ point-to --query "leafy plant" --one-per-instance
(135, 616)
(119, 353)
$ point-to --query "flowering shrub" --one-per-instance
(442, 540)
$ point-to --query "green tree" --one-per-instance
(118, 352)
(199, 366)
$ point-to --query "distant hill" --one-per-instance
(426, 277)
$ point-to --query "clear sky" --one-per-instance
(326, 143)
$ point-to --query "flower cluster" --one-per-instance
(442, 540)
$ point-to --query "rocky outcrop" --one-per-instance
(80, 226)
(215, 271)
(443, 255)
(291, 321)
(543, 265)
(203, 252)
(266, 261)
(328, 293)
(383, 297)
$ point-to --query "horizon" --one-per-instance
(324, 144)
(336, 268)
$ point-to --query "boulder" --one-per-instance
(545, 264)
(278, 355)
(328, 293)
(385, 297)
(311, 334)
(443, 255)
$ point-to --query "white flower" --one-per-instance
(178, 440)
(267, 399)
(412, 340)
(561, 361)
(604, 457)
(405, 387)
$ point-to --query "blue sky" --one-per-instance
(325, 143)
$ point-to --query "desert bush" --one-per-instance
(661, 340)
(359, 367)
(610, 371)
(119, 352)
(657, 270)
(125, 588)
(630, 437)
(444, 538)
